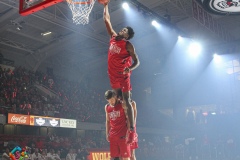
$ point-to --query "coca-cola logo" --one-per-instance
(18, 119)
(21, 119)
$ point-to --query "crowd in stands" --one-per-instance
(18, 94)
(45, 146)
(93, 139)
(75, 100)
(152, 147)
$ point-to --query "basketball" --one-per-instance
(103, 1)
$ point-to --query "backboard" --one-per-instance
(27, 7)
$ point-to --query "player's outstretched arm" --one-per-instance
(106, 18)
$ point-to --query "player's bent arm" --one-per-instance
(106, 18)
(133, 54)
(107, 124)
(134, 106)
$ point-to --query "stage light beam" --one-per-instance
(155, 24)
(125, 6)
(195, 49)
(217, 58)
(180, 38)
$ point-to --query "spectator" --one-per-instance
(5, 155)
(52, 155)
(36, 155)
(71, 155)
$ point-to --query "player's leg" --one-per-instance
(114, 149)
(126, 88)
(128, 106)
(118, 91)
(129, 110)
(133, 157)
(125, 151)
(134, 146)
(115, 85)
(125, 158)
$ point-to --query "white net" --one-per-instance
(81, 10)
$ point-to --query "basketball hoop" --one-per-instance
(81, 10)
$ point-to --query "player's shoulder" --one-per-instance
(133, 103)
(113, 36)
(129, 45)
(106, 106)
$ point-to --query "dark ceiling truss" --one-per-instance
(16, 45)
(154, 15)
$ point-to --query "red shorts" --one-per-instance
(120, 81)
(134, 145)
(119, 148)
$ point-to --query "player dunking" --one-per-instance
(116, 127)
(122, 59)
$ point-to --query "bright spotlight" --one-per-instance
(217, 58)
(195, 49)
(125, 5)
(180, 38)
(155, 24)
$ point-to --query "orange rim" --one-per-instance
(87, 2)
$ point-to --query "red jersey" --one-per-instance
(118, 56)
(118, 120)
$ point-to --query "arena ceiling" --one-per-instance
(78, 51)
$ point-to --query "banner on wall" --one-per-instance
(44, 121)
(18, 119)
(68, 123)
(99, 154)
(41, 121)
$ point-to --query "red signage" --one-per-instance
(41, 121)
(99, 154)
(18, 119)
